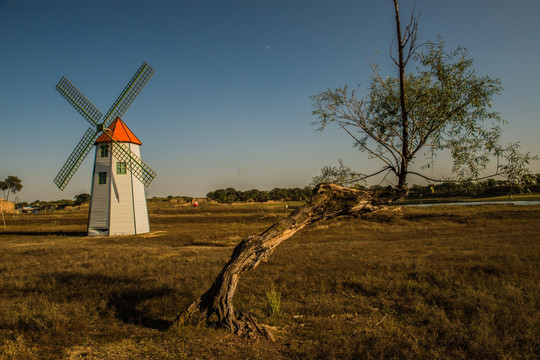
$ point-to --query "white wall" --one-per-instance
(127, 208)
(98, 221)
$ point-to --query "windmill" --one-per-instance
(118, 199)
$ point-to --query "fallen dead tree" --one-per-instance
(215, 306)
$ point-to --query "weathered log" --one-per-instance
(329, 201)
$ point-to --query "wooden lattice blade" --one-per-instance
(78, 101)
(129, 93)
(76, 158)
(133, 163)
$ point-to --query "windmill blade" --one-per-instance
(134, 164)
(127, 96)
(79, 102)
(76, 158)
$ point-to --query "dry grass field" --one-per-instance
(448, 282)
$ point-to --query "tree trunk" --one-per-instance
(329, 201)
(3, 220)
(402, 176)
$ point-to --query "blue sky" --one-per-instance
(229, 102)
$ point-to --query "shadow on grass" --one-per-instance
(81, 281)
(126, 297)
(126, 306)
(45, 233)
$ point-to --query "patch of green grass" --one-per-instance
(273, 302)
(447, 282)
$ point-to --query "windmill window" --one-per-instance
(102, 178)
(104, 151)
(120, 167)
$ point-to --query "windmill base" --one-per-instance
(98, 232)
(105, 232)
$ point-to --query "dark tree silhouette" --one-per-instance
(11, 184)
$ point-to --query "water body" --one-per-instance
(464, 203)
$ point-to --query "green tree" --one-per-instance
(228, 195)
(444, 105)
(250, 195)
(11, 184)
(278, 194)
(82, 199)
(262, 196)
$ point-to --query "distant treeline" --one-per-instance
(58, 204)
(231, 195)
(489, 187)
(486, 188)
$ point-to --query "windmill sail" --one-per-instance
(129, 93)
(133, 163)
(79, 102)
(76, 158)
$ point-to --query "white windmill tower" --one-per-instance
(118, 199)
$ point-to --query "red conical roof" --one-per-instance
(119, 132)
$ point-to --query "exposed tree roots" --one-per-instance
(216, 304)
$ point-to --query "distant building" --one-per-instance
(30, 209)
